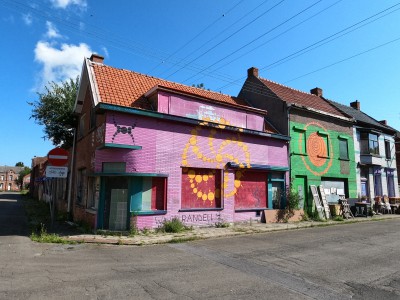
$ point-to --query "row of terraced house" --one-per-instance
(148, 149)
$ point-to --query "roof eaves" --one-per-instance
(352, 120)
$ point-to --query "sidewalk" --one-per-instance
(211, 232)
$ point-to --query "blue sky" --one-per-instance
(349, 48)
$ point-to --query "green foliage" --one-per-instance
(54, 110)
(174, 225)
(338, 218)
(19, 164)
(292, 203)
(44, 237)
(20, 179)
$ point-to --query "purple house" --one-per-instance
(148, 149)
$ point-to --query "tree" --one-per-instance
(20, 179)
(19, 164)
(54, 110)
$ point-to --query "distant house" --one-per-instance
(321, 148)
(8, 177)
(148, 150)
(375, 154)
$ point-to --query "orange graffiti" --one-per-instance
(316, 149)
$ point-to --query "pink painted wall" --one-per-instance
(163, 151)
(185, 107)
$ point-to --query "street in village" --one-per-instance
(356, 260)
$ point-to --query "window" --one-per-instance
(201, 188)
(299, 140)
(390, 183)
(1, 186)
(343, 149)
(93, 192)
(377, 182)
(2, 177)
(92, 118)
(369, 143)
(81, 185)
(387, 150)
(114, 167)
(81, 132)
(149, 194)
(11, 177)
(251, 190)
(364, 172)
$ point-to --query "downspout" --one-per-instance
(70, 176)
(288, 107)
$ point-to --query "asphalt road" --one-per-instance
(358, 261)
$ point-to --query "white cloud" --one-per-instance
(52, 31)
(105, 51)
(27, 18)
(61, 63)
(65, 3)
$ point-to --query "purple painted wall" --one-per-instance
(179, 105)
(169, 146)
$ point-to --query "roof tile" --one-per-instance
(297, 97)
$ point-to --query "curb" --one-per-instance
(202, 233)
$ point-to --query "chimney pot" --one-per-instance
(384, 122)
(356, 105)
(316, 91)
(253, 71)
(97, 58)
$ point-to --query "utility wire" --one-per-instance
(213, 38)
(228, 37)
(273, 38)
(197, 35)
(256, 39)
(321, 42)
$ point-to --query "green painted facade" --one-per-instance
(318, 153)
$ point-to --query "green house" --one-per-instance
(321, 149)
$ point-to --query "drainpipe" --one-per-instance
(70, 175)
(288, 107)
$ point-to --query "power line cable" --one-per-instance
(228, 37)
(273, 38)
(217, 35)
(197, 35)
(325, 40)
(256, 39)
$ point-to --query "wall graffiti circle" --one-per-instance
(218, 153)
(319, 151)
(316, 149)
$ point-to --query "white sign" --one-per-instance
(56, 172)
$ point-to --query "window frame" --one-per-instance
(341, 141)
(218, 189)
(388, 154)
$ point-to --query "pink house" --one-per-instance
(148, 149)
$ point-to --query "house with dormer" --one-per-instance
(375, 154)
(147, 150)
(321, 150)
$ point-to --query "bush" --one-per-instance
(174, 225)
(44, 237)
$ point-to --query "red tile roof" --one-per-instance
(127, 88)
(300, 98)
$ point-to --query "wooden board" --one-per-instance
(324, 202)
(317, 201)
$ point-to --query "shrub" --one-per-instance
(174, 225)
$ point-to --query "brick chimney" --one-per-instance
(384, 122)
(356, 105)
(316, 91)
(97, 58)
(253, 71)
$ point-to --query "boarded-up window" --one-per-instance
(149, 194)
(343, 149)
(251, 190)
(201, 188)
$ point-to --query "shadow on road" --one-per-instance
(12, 215)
